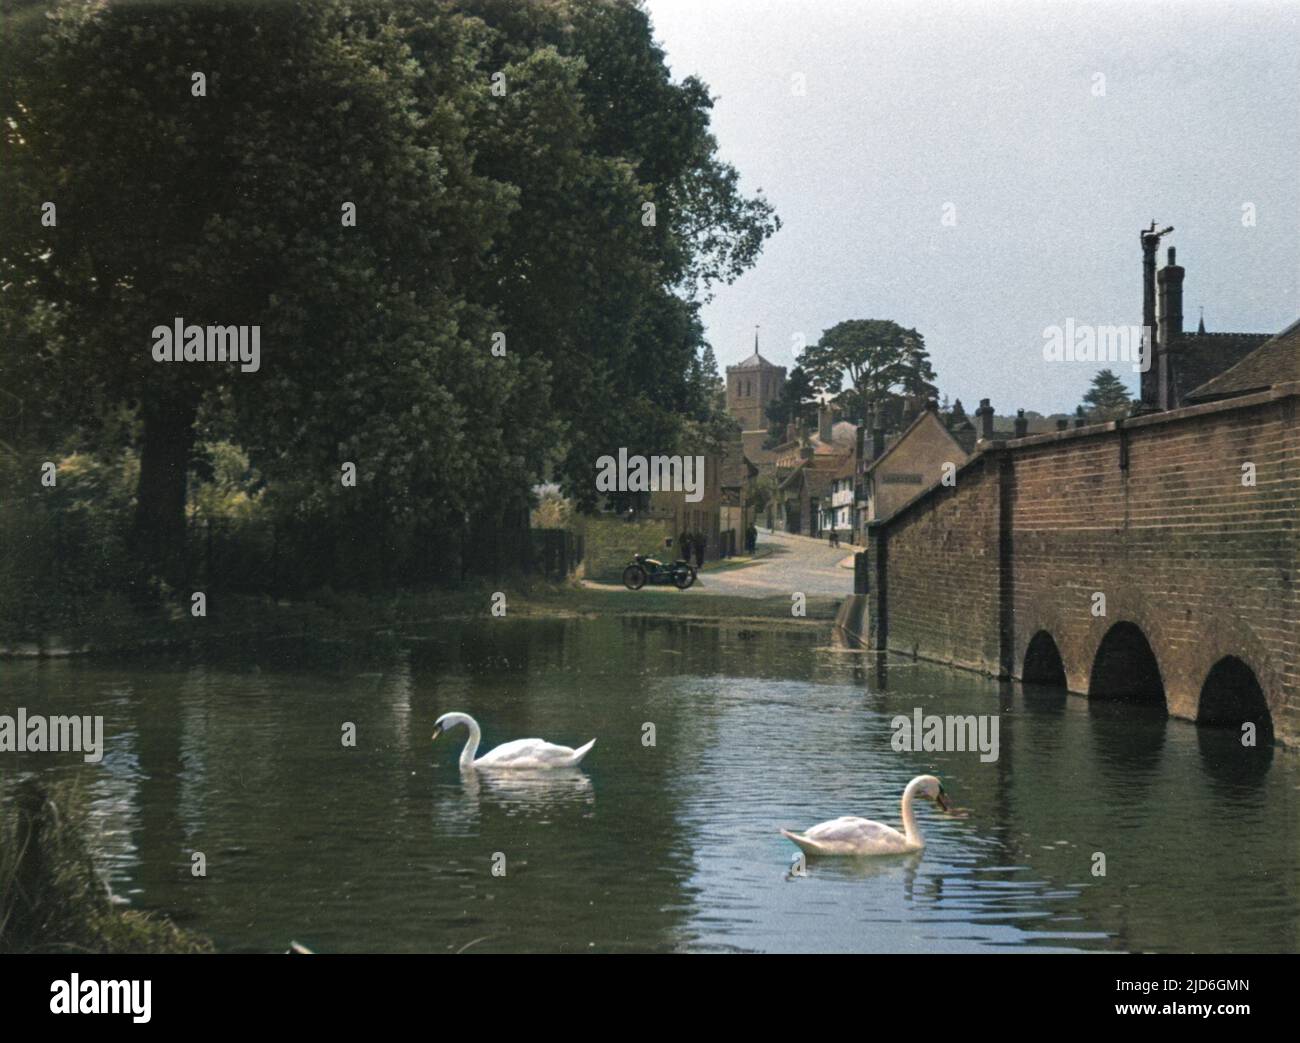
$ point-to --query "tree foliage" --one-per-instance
(880, 359)
(480, 213)
(1108, 398)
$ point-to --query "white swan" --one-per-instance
(520, 754)
(849, 835)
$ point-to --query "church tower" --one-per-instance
(751, 385)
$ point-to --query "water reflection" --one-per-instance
(669, 845)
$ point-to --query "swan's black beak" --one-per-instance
(437, 730)
(942, 801)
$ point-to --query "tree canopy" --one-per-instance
(880, 359)
(525, 177)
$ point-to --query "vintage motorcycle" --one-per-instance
(642, 570)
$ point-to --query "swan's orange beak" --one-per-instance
(942, 801)
(437, 730)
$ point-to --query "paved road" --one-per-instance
(797, 563)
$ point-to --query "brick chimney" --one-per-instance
(1022, 424)
(984, 418)
(877, 438)
(825, 423)
(1170, 319)
(1062, 424)
(1150, 245)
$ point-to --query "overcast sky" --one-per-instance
(995, 109)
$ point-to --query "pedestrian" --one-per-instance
(698, 540)
(684, 545)
(751, 542)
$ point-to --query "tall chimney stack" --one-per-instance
(1150, 245)
(825, 423)
(1022, 424)
(1170, 319)
(877, 438)
(984, 416)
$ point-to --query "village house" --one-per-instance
(678, 515)
(736, 480)
(892, 474)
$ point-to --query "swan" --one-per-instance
(849, 835)
(520, 754)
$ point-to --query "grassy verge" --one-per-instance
(52, 898)
(245, 622)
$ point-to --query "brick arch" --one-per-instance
(1042, 615)
(1125, 606)
(1067, 626)
(1234, 636)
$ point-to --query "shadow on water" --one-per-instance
(1237, 771)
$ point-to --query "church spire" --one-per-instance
(1201, 326)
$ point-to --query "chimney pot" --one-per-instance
(985, 416)
(1022, 424)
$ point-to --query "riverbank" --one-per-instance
(241, 621)
(52, 897)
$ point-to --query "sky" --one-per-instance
(1048, 135)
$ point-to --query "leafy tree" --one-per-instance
(1108, 398)
(580, 279)
(796, 404)
(881, 360)
(478, 213)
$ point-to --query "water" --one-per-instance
(384, 847)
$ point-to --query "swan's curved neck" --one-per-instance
(471, 744)
(910, 829)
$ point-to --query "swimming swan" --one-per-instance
(520, 754)
(848, 835)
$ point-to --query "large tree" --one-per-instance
(500, 157)
(881, 360)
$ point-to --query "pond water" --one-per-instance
(664, 847)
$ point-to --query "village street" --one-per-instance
(796, 563)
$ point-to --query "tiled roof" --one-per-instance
(907, 431)
(1276, 361)
(755, 361)
(1197, 358)
(753, 443)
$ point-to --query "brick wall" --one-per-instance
(1151, 513)
(609, 543)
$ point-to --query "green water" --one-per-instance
(385, 847)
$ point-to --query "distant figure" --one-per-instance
(698, 541)
(833, 537)
(751, 539)
(684, 544)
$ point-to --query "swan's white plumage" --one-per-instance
(532, 753)
(519, 755)
(850, 835)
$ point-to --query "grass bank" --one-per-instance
(52, 897)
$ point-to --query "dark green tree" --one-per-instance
(795, 404)
(880, 359)
(1108, 398)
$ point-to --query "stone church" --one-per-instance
(751, 385)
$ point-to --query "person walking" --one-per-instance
(751, 539)
(684, 546)
(698, 541)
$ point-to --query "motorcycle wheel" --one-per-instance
(684, 578)
(634, 577)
